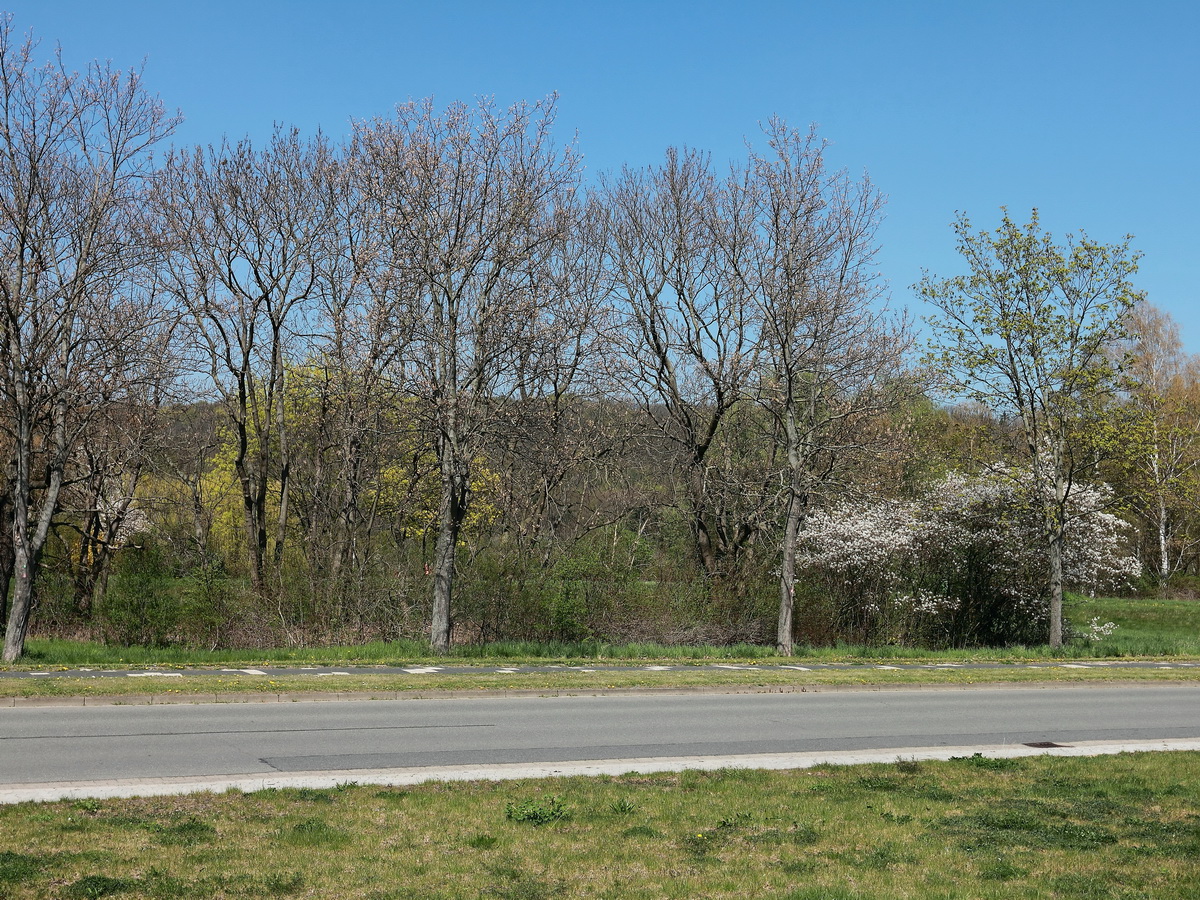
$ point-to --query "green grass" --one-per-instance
(1147, 628)
(41, 652)
(209, 688)
(1124, 827)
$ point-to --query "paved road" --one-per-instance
(79, 750)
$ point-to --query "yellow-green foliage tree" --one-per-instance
(1159, 468)
(241, 234)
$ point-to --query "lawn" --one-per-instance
(1125, 826)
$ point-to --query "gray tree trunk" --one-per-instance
(453, 510)
(1056, 587)
(787, 575)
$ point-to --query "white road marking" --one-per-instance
(889, 668)
(797, 668)
(246, 671)
(154, 674)
(658, 668)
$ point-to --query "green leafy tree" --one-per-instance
(1158, 467)
(1026, 333)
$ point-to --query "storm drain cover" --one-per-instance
(1045, 745)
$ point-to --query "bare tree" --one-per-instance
(240, 231)
(74, 152)
(553, 433)
(100, 494)
(472, 196)
(349, 393)
(687, 326)
(830, 358)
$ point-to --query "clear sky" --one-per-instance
(1087, 109)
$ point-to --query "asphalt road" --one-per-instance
(281, 743)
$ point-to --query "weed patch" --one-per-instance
(18, 867)
(995, 764)
(187, 832)
(537, 812)
(314, 833)
(92, 887)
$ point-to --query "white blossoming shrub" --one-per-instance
(964, 565)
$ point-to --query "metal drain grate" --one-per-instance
(1045, 745)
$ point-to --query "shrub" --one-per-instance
(964, 565)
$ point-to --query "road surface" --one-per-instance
(52, 751)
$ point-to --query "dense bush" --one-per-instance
(963, 565)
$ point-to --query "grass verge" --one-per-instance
(1122, 827)
(1167, 630)
(206, 688)
(1146, 627)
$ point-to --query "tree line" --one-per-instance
(428, 380)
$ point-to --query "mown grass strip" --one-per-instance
(1126, 826)
(207, 688)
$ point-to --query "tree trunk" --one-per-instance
(6, 551)
(704, 544)
(285, 459)
(797, 503)
(27, 553)
(86, 567)
(22, 603)
(1056, 587)
(455, 497)
(443, 584)
(787, 575)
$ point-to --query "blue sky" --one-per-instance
(1088, 110)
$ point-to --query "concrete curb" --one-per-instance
(151, 787)
(468, 694)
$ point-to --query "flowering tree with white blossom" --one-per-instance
(963, 564)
